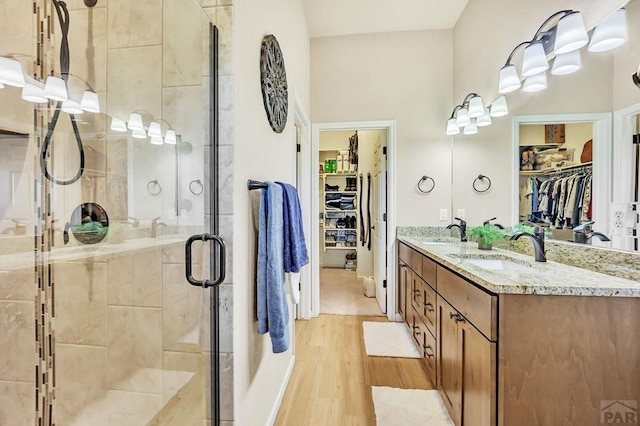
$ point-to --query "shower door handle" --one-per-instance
(219, 242)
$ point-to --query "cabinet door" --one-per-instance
(417, 293)
(479, 377)
(449, 363)
(402, 289)
(408, 296)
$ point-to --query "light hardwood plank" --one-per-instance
(331, 381)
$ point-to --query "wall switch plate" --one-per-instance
(443, 214)
(460, 214)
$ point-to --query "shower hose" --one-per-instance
(63, 18)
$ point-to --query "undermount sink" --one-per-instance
(497, 264)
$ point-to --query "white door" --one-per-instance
(379, 231)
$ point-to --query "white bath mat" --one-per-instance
(389, 339)
(409, 407)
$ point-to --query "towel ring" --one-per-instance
(154, 184)
(423, 179)
(481, 178)
(199, 183)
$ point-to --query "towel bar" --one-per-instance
(255, 184)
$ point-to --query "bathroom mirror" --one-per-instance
(89, 223)
(591, 95)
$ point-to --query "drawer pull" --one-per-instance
(427, 354)
(416, 330)
(417, 293)
(429, 307)
(456, 317)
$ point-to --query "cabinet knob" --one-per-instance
(456, 317)
(426, 351)
(429, 307)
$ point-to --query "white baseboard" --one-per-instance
(283, 389)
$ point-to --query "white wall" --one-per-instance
(484, 36)
(402, 76)
(264, 155)
(626, 61)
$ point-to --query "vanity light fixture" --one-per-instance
(476, 107)
(462, 118)
(610, 33)
(33, 91)
(535, 60)
(452, 127)
(118, 125)
(485, 119)
(566, 63)
(90, 102)
(509, 79)
(570, 32)
(156, 140)
(154, 131)
(535, 83)
(71, 107)
(471, 128)
(499, 107)
(139, 134)
(11, 72)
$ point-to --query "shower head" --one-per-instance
(90, 3)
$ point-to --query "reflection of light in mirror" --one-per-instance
(139, 134)
(156, 140)
(570, 34)
(170, 137)
(118, 125)
(71, 107)
(33, 91)
(135, 122)
(11, 72)
(90, 102)
(56, 89)
(154, 130)
(610, 33)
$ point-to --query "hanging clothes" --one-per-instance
(562, 201)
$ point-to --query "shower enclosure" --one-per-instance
(98, 325)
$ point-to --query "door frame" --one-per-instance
(313, 171)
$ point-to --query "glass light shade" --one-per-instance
(11, 72)
(610, 33)
(135, 122)
(139, 134)
(509, 79)
(485, 119)
(471, 128)
(90, 102)
(499, 107)
(535, 60)
(56, 89)
(570, 33)
(476, 107)
(170, 137)
(154, 130)
(452, 128)
(535, 83)
(71, 107)
(118, 125)
(566, 63)
(33, 91)
(462, 118)
(156, 140)
(1, 86)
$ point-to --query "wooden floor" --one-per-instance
(332, 378)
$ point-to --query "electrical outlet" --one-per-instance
(460, 214)
(444, 214)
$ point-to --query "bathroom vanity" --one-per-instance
(510, 341)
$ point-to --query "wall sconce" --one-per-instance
(472, 113)
(564, 39)
(137, 127)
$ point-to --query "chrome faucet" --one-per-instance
(497, 225)
(462, 227)
(582, 235)
(537, 238)
(155, 225)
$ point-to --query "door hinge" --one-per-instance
(636, 139)
(384, 217)
(384, 150)
(297, 147)
(384, 283)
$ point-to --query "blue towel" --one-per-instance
(295, 248)
(273, 312)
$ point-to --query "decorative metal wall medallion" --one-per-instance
(273, 78)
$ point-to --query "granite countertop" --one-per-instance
(531, 277)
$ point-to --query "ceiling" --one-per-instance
(342, 17)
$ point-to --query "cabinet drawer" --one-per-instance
(404, 253)
(416, 262)
(429, 272)
(478, 306)
(429, 307)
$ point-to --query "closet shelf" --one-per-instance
(338, 174)
(548, 172)
(340, 248)
(340, 192)
(341, 211)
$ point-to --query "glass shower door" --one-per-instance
(98, 323)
